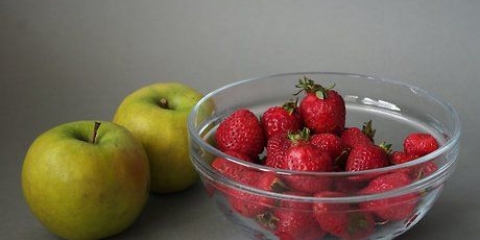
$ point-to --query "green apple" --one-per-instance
(157, 116)
(86, 179)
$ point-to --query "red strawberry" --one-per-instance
(277, 147)
(353, 136)
(296, 205)
(367, 156)
(394, 208)
(248, 204)
(340, 220)
(251, 205)
(297, 224)
(399, 157)
(248, 176)
(347, 186)
(233, 171)
(284, 236)
(304, 156)
(241, 132)
(308, 183)
(245, 203)
(424, 170)
(291, 224)
(292, 220)
(229, 168)
(322, 109)
(416, 172)
(271, 182)
(281, 119)
(427, 169)
(328, 142)
(419, 144)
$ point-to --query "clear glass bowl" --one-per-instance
(395, 108)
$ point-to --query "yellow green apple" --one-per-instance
(86, 179)
(157, 115)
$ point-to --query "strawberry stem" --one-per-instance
(357, 223)
(301, 135)
(267, 220)
(279, 187)
(387, 147)
(290, 105)
(342, 158)
(368, 130)
(309, 86)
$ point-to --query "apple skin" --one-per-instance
(81, 190)
(163, 131)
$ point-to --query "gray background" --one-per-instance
(63, 61)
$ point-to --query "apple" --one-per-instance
(86, 179)
(157, 115)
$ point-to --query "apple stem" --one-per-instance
(95, 130)
(164, 103)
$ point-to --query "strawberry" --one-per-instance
(229, 168)
(304, 156)
(334, 146)
(427, 169)
(297, 224)
(245, 203)
(296, 205)
(233, 171)
(322, 109)
(284, 236)
(419, 144)
(367, 156)
(248, 204)
(241, 132)
(277, 147)
(328, 142)
(424, 170)
(291, 224)
(292, 220)
(340, 220)
(308, 184)
(247, 176)
(281, 119)
(347, 186)
(394, 208)
(353, 136)
(251, 205)
(416, 172)
(399, 157)
(271, 182)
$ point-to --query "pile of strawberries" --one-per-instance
(309, 135)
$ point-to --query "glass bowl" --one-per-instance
(395, 108)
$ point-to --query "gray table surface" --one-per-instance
(63, 61)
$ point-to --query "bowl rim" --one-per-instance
(449, 144)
